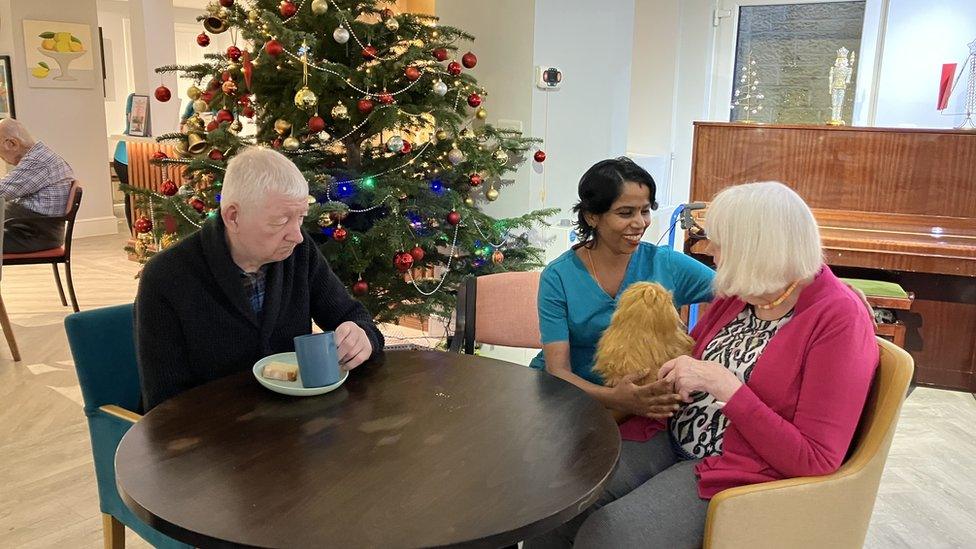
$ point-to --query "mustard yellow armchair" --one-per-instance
(816, 512)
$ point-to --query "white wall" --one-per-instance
(587, 119)
(70, 121)
(113, 17)
(154, 45)
(919, 38)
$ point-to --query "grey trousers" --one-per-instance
(651, 501)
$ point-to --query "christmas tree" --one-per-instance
(379, 113)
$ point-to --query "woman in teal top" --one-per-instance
(578, 291)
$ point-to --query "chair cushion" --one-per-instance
(877, 287)
(43, 254)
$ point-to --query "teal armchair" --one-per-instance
(103, 348)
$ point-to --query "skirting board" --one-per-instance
(96, 226)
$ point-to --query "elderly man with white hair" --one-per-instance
(35, 190)
(243, 287)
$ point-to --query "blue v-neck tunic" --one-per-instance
(574, 308)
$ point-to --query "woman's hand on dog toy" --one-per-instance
(690, 375)
(655, 400)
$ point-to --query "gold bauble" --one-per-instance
(441, 135)
(228, 87)
(194, 123)
(193, 93)
(469, 202)
(252, 16)
(282, 126)
(392, 24)
(168, 240)
(291, 144)
(325, 220)
(481, 113)
(305, 99)
(501, 156)
(492, 194)
(236, 126)
(340, 112)
(466, 133)
(200, 106)
(497, 257)
(319, 7)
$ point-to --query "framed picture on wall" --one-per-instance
(6, 89)
(138, 122)
(59, 54)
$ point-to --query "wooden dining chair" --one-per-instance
(497, 309)
(8, 331)
(61, 254)
(109, 379)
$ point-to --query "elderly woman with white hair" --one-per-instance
(781, 368)
(243, 286)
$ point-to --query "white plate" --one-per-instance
(292, 388)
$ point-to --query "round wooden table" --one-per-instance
(418, 448)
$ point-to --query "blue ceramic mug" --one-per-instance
(318, 359)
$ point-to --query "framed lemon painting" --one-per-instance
(59, 55)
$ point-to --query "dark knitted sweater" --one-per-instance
(194, 323)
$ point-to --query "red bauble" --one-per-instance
(216, 155)
(168, 188)
(454, 68)
(198, 205)
(203, 40)
(365, 106)
(225, 76)
(207, 96)
(224, 115)
(287, 8)
(412, 73)
(244, 100)
(385, 98)
(276, 143)
(316, 124)
(248, 111)
(386, 13)
(453, 218)
(539, 156)
(469, 60)
(213, 84)
(475, 179)
(403, 261)
(474, 100)
(226, 3)
(417, 253)
(142, 225)
(159, 155)
(213, 125)
(233, 53)
(163, 94)
(339, 234)
(360, 287)
(274, 48)
(440, 54)
(369, 52)
(407, 147)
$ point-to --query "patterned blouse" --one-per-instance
(697, 429)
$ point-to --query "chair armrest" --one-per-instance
(121, 413)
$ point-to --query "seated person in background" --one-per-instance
(243, 287)
(37, 188)
(579, 290)
(782, 366)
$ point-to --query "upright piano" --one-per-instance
(897, 205)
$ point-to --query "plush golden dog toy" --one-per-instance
(644, 333)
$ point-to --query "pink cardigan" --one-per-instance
(798, 413)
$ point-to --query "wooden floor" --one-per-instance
(48, 496)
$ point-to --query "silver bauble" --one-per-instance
(501, 156)
(455, 156)
(341, 35)
(440, 88)
(200, 106)
(395, 144)
(392, 24)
